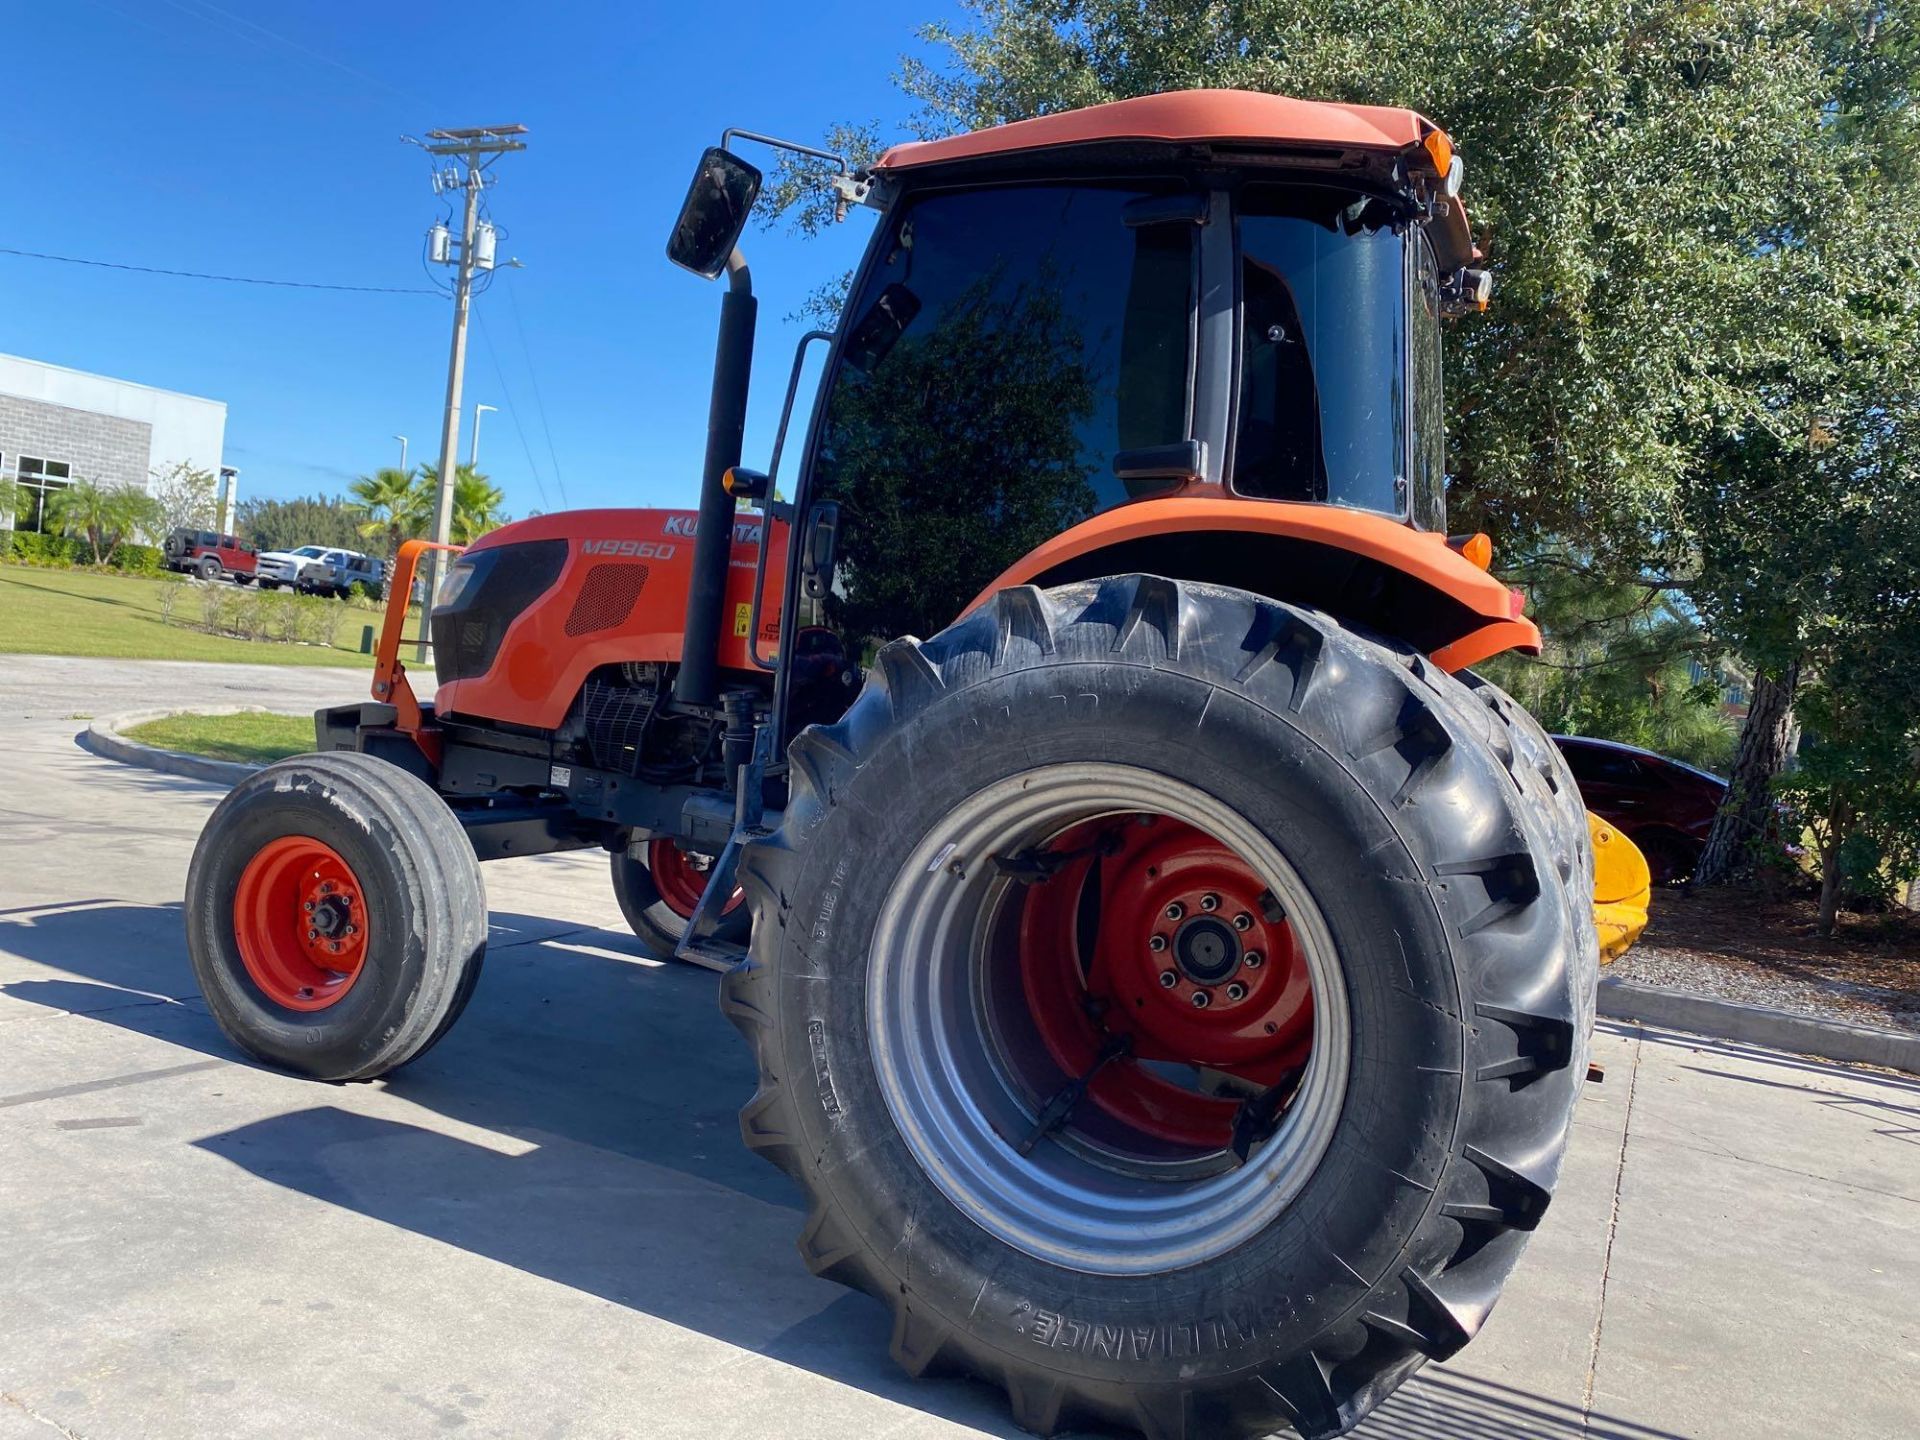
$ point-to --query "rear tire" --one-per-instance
(371, 846)
(210, 569)
(659, 914)
(1459, 1000)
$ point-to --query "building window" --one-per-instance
(39, 479)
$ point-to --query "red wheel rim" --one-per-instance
(300, 922)
(679, 881)
(1179, 916)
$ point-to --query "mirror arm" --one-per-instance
(727, 136)
(739, 277)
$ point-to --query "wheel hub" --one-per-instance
(300, 923)
(1207, 950)
(1158, 933)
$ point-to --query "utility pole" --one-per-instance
(474, 152)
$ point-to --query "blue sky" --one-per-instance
(261, 139)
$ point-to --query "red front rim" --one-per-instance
(680, 880)
(300, 922)
(1165, 938)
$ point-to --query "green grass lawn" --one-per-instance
(82, 612)
(256, 739)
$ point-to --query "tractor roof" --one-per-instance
(1182, 117)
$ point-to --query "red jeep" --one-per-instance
(209, 555)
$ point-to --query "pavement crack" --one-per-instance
(32, 1414)
(1613, 1229)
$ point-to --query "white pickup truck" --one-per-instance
(320, 570)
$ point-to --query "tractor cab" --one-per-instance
(1066, 326)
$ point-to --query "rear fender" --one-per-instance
(1365, 568)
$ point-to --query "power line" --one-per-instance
(513, 411)
(229, 279)
(533, 379)
(293, 45)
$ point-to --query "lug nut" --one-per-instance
(309, 905)
(1176, 910)
(1243, 922)
(1236, 991)
(1157, 943)
(313, 934)
(1209, 902)
(1201, 999)
(1168, 979)
(1253, 960)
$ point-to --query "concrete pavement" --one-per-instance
(548, 1227)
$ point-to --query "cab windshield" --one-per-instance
(1004, 349)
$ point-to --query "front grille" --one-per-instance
(607, 598)
(615, 712)
(503, 581)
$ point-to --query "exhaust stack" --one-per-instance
(697, 681)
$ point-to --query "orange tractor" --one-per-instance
(1171, 981)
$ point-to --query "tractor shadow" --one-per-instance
(611, 1085)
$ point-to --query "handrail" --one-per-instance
(767, 506)
(389, 675)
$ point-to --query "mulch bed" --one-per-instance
(1742, 946)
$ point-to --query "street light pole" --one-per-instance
(403, 453)
(473, 450)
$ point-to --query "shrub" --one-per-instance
(170, 592)
(35, 549)
(138, 559)
(315, 618)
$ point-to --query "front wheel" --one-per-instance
(336, 919)
(1170, 1005)
(658, 888)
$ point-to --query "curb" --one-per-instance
(104, 739)
(1756, 1025)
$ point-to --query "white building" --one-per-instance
(59, 425)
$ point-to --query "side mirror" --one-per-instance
(714, 213)
(817, 551)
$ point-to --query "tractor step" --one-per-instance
(719, 955)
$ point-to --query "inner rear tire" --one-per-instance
(658, 913)
(1099, 1279)
(358, 837)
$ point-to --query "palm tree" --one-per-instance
(105, 514)
(392, 505)
(477, 502)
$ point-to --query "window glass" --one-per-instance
(1594, 765)
(39, 481)
(1005, 346)
(1429, 498)
(1322, 412)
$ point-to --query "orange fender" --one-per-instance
(1449, 606)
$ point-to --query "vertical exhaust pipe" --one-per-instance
(698, 680)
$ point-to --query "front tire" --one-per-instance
(336, 918)
(1286, 1234)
